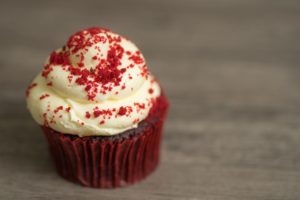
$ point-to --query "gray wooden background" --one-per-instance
(231, 71)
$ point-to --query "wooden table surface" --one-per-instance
(230, 69)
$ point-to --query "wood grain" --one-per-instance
(230, 69)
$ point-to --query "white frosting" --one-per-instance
(58, 101)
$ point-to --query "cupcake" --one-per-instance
(101, 110)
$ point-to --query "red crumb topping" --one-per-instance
(106, 70)
(47, 70)
(139, 106)
(136, 58)
(52, 121)
(145, 71)
(29, 88)
(48, 107)
(123, 87)
(49, 84)
(56, 58)
(58, 109)
(70, 78)
(68, 109)
(130, 66)
(136, 120)
(122, 110)
(78, 40)
(106, 73)
(102, 122)
(60, 58)
(45, 120)
(150, 91)
(87, 115)
(44, 96)
(105, 112)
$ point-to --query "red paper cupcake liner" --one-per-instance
(113, 161)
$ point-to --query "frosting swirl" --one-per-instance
(97, 84)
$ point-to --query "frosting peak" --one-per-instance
(87, 47)
(96, 84)
(98, 65)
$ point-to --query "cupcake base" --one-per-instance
(110, 161)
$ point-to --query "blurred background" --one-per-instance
(231, 72)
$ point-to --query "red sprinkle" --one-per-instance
(44, 96)
(68, 109)
(140, 105)
(77, 41)
(49, 84)
(105, 113)
(122, 111)
(87, 115)
(58, 109)
(145, 71)
(70, 78)
(80, 64)
(47, 70)
(29, 88)
(52, 121)
(130, 66)
(150, 91)
(60, 58)
(45, 120)
(102, 122)
(137, 58)
(136, 120)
